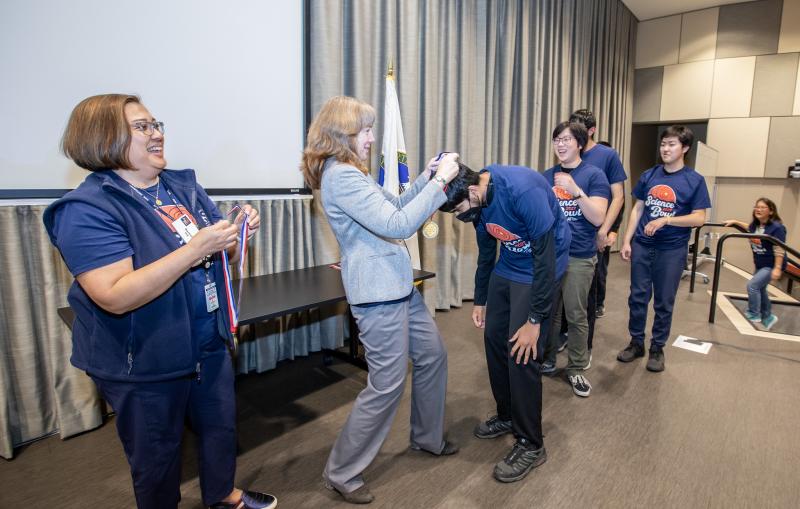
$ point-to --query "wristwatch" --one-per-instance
(580, 194)
(534, 319)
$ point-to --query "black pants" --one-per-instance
(517, 388)
(597, 293)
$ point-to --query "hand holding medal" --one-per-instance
(443, 175)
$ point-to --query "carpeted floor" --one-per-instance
(716, 430)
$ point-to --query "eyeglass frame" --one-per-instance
(564, 140)
(148, 128)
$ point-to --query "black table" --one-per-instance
(283, 293)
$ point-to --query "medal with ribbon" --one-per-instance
(233, 306)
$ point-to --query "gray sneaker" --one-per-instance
(521, 460)
(548, 367)
(492, 428)
(655, 361)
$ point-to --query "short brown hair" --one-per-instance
(97, 136)
(333, 134)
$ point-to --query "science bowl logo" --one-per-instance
(511, 241)
(568, 203)
(661, 200)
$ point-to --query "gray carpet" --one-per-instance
(716, 430)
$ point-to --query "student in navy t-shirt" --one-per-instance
(582, 192)
(670, 199)
(516, 206)
(769, 259)
(602, 155)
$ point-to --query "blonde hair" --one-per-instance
(97, 136)
(333, 133)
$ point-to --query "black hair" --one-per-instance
(605, 144)
(683, 133)
(577, 129)
(773, 213)
(584, 117)
(458, 189)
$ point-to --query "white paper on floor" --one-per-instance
(692, 344)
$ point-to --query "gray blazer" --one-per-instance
(370, 225)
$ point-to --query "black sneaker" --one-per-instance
(250, 500)
(517, 463)
(600, 312)
(492, 428)
(655, 362)
(631, 352)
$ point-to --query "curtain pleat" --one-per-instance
(488, 79)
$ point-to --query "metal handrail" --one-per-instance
(718, 262)
(696, 245)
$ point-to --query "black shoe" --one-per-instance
(492, 428)
(631, 352)
(522, 458)
(250, 500)
(448, 450)
(600, 312)
(655, 362)
(360, 496)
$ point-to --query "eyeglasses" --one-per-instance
(564, 140)
(148, 128)
(760, 208)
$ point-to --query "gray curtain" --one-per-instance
(488, 79)
(41, 393)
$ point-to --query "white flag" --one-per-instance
(393, 174)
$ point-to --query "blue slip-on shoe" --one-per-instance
(752, 317)
(769, 321)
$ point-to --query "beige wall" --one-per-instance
(738, 67)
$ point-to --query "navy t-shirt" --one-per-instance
(607, 159)
(523, 208)
(89, 238)
(593, 182)
(763, 252)
(669, 195)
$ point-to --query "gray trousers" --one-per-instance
(391, 333)
(574, 294)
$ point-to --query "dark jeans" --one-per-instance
(150, 421)
(517, 388)
(655, 274)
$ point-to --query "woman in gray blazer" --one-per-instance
(394, 324)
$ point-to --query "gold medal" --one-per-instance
(430, 230)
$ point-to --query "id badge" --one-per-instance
(185, 228)
(212, 303)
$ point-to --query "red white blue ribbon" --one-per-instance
(233, 307)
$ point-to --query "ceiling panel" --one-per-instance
(649, 9)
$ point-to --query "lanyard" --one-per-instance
(233, 307)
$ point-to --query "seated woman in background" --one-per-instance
(769, 259)
(393, 322)
(144, 245)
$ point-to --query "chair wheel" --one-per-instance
(706, 280)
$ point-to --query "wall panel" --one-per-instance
(733, 87)
(783, 147)
(699, 35)
(657, 42)
(686, 91)
(750, 28)
(742, 145)
(789, 40)
(774, 85)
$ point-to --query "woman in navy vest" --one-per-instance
(144, 244)
(769, 259)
